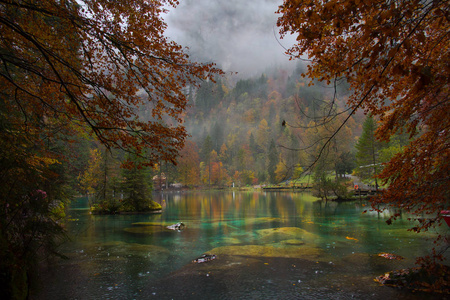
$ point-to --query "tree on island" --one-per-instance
(69, 69)
(100, 180)
(394, 55)
(136, 188)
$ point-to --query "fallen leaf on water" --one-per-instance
(390, 256)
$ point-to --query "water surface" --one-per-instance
(275, 245)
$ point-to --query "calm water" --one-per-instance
(275, 245)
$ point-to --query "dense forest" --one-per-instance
(269, 130)
(258, 131)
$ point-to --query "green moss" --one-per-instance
(154, 205)
(287, 251)
(123, 207)
(285, 233)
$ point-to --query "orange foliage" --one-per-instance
(395, 56)
(97, 64)
(189, 164)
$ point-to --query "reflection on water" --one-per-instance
(275, 245)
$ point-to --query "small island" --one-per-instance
(126, 207)
(116, 185)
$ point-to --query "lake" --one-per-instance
(268, 245)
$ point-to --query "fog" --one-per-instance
(239, 36)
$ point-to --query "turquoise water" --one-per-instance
(275, 245)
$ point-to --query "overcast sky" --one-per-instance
(240, 36)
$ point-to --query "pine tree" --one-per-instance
(136, 187)
(253, 145)
(367, 151)
(217, 136)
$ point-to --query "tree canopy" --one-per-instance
(97, 64)
(70, 69)
(394, 55)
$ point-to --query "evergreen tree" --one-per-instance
(206, 149)
(110, 176)
(217, 137)
(262, 87)
(136, 187)
(203, 99)
(345, 163)
(253, 145)
(218, 90)
(367, 151)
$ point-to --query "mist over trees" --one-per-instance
(260, 130)
(240, 36)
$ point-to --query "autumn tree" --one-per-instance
(281, 171)
(69, 67)
(188, 164)
(75, 63)
(90, 179)
(272, 161)
(298, 171)
(394, 55)
(218, 172)
(223, 155)
(288, 156)
(206, 156)
(262, 135)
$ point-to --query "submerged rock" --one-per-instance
(228, 240)
(204, 258)
(153, 227)
(288, 251)
(118, 250)
(292, 242)
(285, 233)
(178, 226)
(255, 221)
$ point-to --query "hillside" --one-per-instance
(256, 131)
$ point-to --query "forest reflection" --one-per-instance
(246, 230)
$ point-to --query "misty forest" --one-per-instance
(264, 149)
